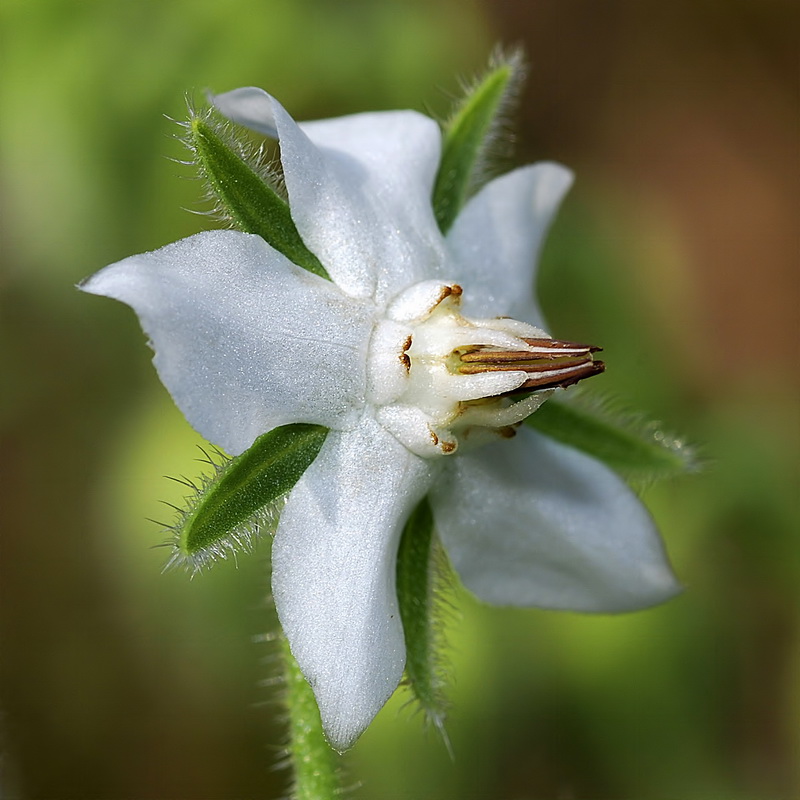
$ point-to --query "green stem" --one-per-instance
(315, 764)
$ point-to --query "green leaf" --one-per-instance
(314, 763)
(242, 495)
(418, 598)
(639, 450)
(246, 197)
(469, 136)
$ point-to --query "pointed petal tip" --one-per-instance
(83, 285)
(346, 714)
(248, 106)
(555, 180)
(99, 283)
(655, 585)
(659, 585)
(340, 737)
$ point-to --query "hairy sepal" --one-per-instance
(243, 496)
(472, 136)
(421, 578)
(244, 196)
(636, 448)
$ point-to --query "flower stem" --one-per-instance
(315, 764)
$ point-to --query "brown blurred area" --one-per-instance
(690, 109)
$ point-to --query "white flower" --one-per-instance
(246, 341)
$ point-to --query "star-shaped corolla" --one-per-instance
(422, 355)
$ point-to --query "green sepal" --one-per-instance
(250, 202)
(419, 600)
(242, 495)
(638, 450)
(313, 761)
(469, 136)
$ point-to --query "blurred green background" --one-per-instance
(677, 250)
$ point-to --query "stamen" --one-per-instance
(561, 344)
(520, 365)
(552, 363)
(562, 378)
(540, 348)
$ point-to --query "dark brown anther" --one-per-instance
(562, 378)
(506, 432)
(544, 349)
(561, 344)
(405, 359)
(551, 363)
(521, 365)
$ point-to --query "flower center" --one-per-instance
(439, 379)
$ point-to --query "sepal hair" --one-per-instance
(497, 147)
(241, 538)
(248, 193)
(424, 581)
(260, 158)
(639, 448)
(434, 703)
(243, 495)
(475, 137)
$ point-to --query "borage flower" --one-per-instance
(422, 354)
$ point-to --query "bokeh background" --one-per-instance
(677, 250)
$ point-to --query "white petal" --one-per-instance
(359, 190)
(244, 339)
(530, 522)
(334, 573)
(495, 241)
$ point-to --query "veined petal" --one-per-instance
(530, 522)
(495, 241)
(334, 573)
(245, 340)
(359, 190)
